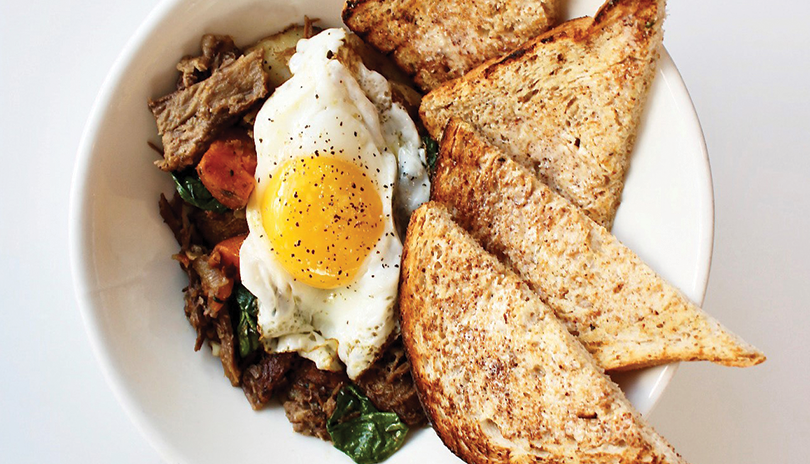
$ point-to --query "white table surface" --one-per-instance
(747, 66)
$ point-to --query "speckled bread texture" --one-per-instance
(500, 378)
(438, 40)
(621, 310)
(567, 104)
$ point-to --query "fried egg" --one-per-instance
(336, 159)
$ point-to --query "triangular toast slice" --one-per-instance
(499, 376)
(566, 104)
(621, 310)
(438, 40)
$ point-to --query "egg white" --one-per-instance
(333, 107)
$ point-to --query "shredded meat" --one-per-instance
(310, 398)
(216, 227)
(217, 51)
(309, 27)
(216, 286)
(195, 310)
(227, 347)
(190, 118)
(176, 214)
(210, 325)
(389, 385)
(193, 226)
(262, 380)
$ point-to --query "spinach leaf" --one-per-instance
(431, 152)
(192, 190)
(361, 431)
(247, 334)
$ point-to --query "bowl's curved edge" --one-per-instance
(80, 244)
(80, 218)
(686, 105)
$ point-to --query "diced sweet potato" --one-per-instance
(227, 169)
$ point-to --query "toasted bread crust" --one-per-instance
(566, 104)
(621, 310)
(499, 376)
(435, 41)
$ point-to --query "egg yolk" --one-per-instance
(323, 217)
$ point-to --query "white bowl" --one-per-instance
(129, 290)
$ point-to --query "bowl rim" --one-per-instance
(79, 222)
(686, 106)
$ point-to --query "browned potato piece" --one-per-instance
(278, 48)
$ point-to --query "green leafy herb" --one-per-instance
(247, 334)
(361, 431)
(431, 152)
(192, 190)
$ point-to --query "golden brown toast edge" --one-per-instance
(391, 32)
(577, 176)
(459, 157)
(458, 415)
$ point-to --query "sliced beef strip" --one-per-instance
(310, 398)
(260, 381)
(217, 51)
(189, 119)
(389, 385)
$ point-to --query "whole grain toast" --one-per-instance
(438, 40)
(566, 104)
(621, 310)
(499, 376)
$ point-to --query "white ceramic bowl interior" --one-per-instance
(129, 289)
